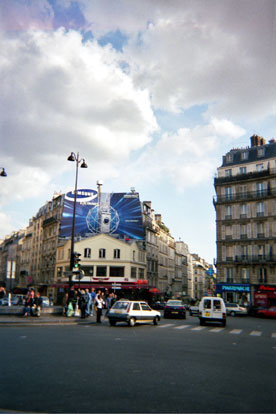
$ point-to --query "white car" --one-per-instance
(132, 312)
(234, 309)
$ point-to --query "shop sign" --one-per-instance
(232, 288)
(267, 288)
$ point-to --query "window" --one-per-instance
(261, 251)
(262, 275)
(217, 304)
(101, 271)
(260, 209)
(245, 275)
(243, 210)
(133, 255)
(260, 189)
(228, 232)
(207, 304)
(228, 212)
(229, 274)
(260, 230)
(228, 173)
(229, 157)
(140, 273)
(244, 155)
(244, 252)
(116, 253)
(136, 306)
(117, 271)
(243, 231)
(87, 253)
(102, 253)
(242, 170)
(260, 152)
(228, 193)
(133, 273)
(259, 167)
(145, 307)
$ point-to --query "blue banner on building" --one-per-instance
(112, 213)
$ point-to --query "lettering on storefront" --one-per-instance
(268, 288)
(227, 288)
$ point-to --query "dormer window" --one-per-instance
(244, 155)
(229, 157)
(228, 173)
(260, 152)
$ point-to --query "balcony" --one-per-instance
(244, 177)
(245, 196)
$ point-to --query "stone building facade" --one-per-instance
(245, 205)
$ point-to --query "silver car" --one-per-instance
(233, 309)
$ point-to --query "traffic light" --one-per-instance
(76, 261)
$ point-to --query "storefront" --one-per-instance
(234, 292)
(264, 296)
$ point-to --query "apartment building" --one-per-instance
(245, 205)
(106, 262)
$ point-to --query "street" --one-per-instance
(177, 366)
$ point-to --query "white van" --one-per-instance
(212, 309)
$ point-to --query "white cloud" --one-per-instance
(60, 95)
(186, 158)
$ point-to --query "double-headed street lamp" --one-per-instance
(74, 157)
(3, 172)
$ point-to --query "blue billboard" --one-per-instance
(110, 213)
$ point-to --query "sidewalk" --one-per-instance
(44, 320)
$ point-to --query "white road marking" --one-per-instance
(273, 335)
(182, 327)
(236, 331)
(198, 328)
(166, 325)
(216, 330)
(255, 333)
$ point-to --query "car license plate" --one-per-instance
(175, 312)
(118, 311)
(207, 313)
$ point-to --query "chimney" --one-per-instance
(257, 141)
(158, 217)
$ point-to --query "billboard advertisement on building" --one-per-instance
(111, 213)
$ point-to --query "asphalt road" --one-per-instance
(176, 367)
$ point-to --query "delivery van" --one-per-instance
(212, 309)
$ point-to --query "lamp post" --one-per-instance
(75, 158)
(3, 172)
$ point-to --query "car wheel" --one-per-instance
(232, 313)
(132, 322)
(155, 321)
(112, 323)
(202, 322)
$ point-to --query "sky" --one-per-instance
(151, 93)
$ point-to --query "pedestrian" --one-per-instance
(37, 305)
(83, 299)
(29, 301)
(72, 302)
(99, 305)
(93, 297)
(108, 302)
(2, 292)
(88, 305)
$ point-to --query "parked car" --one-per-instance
(194, 310)
(212, 309)
(175, 309)
(132, 312)
(268, 313)
(5, 301)
(158, 305)
(234, 309)
(45, 301)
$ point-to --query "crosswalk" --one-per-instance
(253, 333)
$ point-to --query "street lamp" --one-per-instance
(3, 172)
(75, 158)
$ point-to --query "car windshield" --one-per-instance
(174, 303)
(120, 305)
